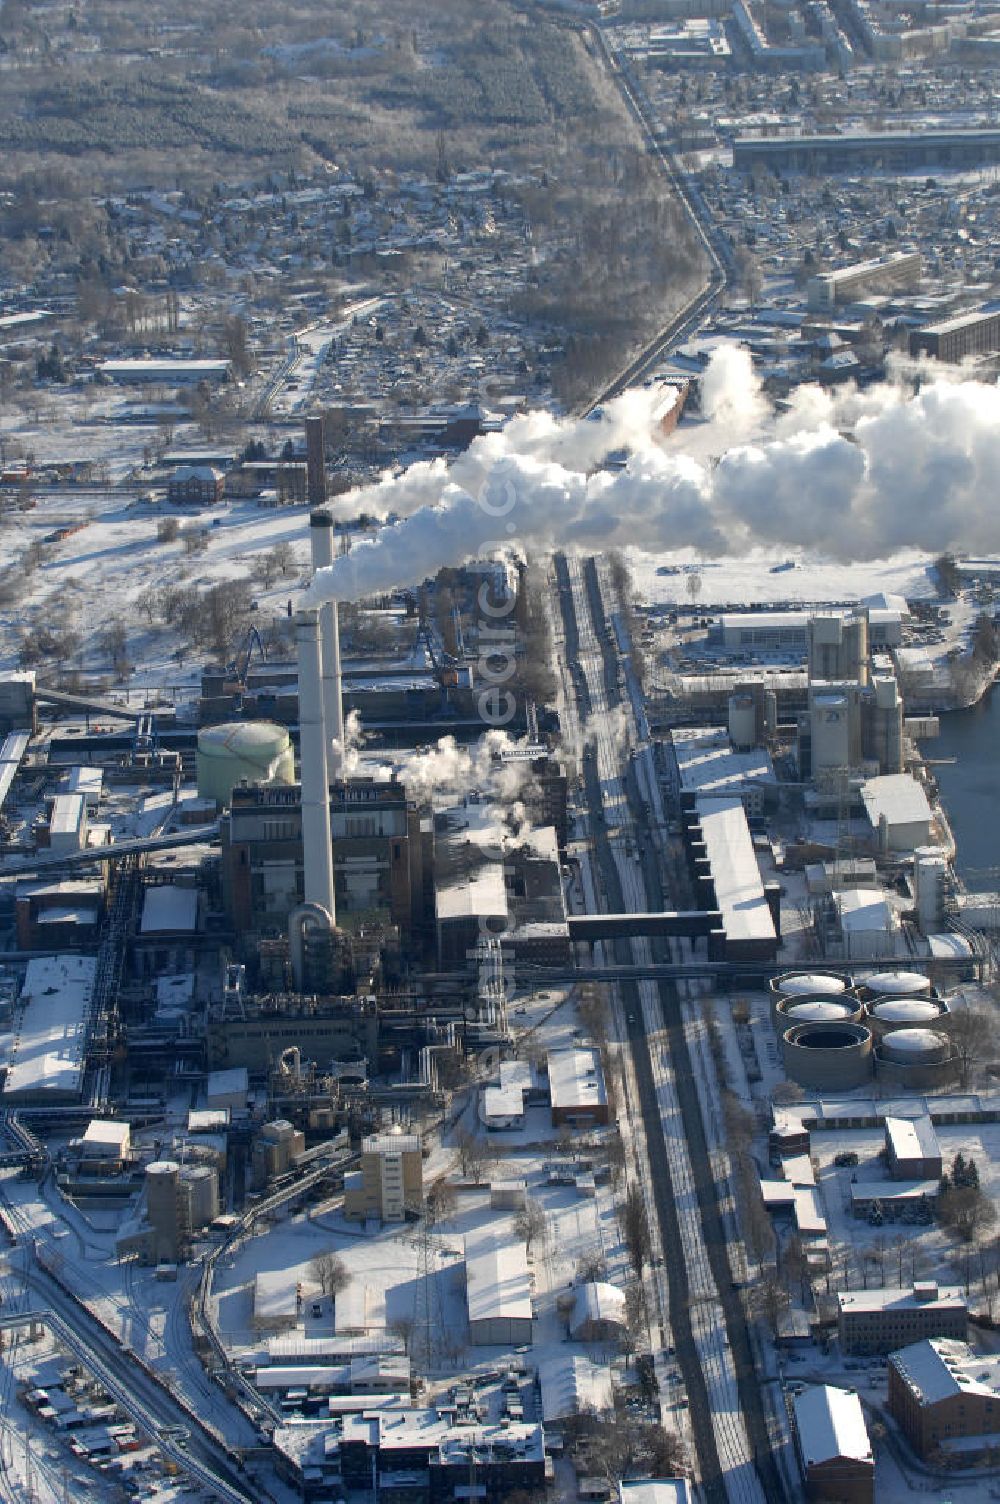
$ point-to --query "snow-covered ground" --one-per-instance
(749, 580)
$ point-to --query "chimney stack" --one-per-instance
(321, 543)
(316, 461)
(317, 842)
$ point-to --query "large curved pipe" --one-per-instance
(321, 544)
(306, 916)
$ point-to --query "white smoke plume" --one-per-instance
(449, 767)
(853, 476)
(350, 749)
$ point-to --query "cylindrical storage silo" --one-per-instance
(162, 1179)
(201, 1187)
(882, 984)
(918, 1059)
(905, 1013)
(800, 984)
(827, 1056)
(254, 751)
(742, 722)
(816, 1010)
(930, 873)
(830, 723)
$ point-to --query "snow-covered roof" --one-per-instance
(939, 1368)
(897, 796)
(739, 890)
(572, 1385)
(169, 907)
(597, 1301)
(863, 910)
(576, 1079)
(912, 1138)
(655, 1491)
(707, 762)
(498, 1285)
(831, 1425)
(104, 1135)
(922, 1297)
(51, 1032)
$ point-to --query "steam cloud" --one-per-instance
(852, 475)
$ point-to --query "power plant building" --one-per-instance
(377, 854)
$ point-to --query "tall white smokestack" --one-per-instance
(317, 845)
(321, 542)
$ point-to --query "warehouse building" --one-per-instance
(876, 1321)
(498, 1292)
(834, 1449)
(726, 878)
(942, 1395)
(898, 811)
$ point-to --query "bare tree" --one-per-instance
(330, 1273)
(440, 1202)
(972, 1030)
(635, 1228)
(529, 1224)
(473, 1155)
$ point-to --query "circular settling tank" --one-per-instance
(895, 984)
(818, 1010)
(830, 1056)
(905, 1013)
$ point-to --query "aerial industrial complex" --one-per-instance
(494, 1004)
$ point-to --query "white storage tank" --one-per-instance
(828, 1056)
(742, 722)
(794, 985)
(918, 1059)
(255, 751)
(894, 984)
(818, 1010)
(905, 1013)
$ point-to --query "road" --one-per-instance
(678, 1173)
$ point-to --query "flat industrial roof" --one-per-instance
(831, 1424)
(898, 796)
(51, 1028)
(576, 1078)
(896, 1298)
(168, 907)
(708, 763)
(498, 1285)
(912, 1138)
(739, 890)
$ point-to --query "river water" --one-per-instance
(970, 787)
